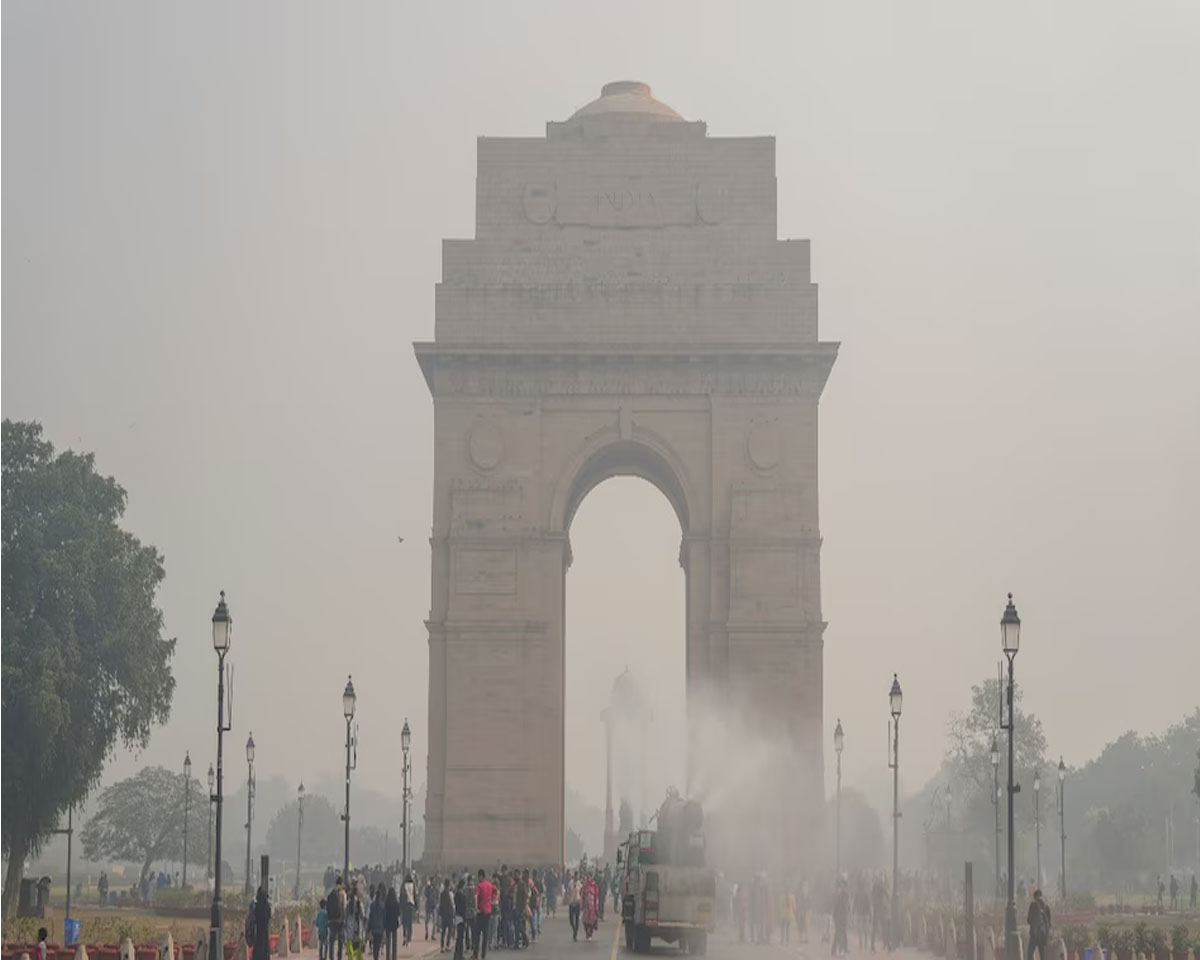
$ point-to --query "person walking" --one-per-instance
(376, 921)
(520, 906)
(574, 897)
(880, 908)
(1174, 893)
(391, 922)
(262, 925)
(321, 922)
(1195, 890)
(335, 907)
(484, 891)
(446, 914)
(590, 905)
(408, 906)
(429, 902)
(841, 918)
(1038, 918)
(460, 926)
(494, 924)
(356, 924)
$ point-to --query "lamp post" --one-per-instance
(249, 806)
(222, 637)
(187, 790)
(1037, 821)
(208, 857)
(839, 739)
(996, 805)
(348, 703)
(1062, 824)
(299, 830)
(895, 701)
(405, 743)
(1010, 642)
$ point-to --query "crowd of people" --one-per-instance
(467, 913)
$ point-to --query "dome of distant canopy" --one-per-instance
(627, 97)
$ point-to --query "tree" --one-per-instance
(84, 661)
(140, 819)
(323, 840)
(968, 757)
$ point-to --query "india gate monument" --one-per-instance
(625, 308)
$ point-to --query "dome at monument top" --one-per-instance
(627, 97)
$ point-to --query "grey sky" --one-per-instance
(222, 231)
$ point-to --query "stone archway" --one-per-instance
(624, 308)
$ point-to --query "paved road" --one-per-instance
(609, 944)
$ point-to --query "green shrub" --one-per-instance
(1122, 939)
(1158, 941)
(1141, 937)
(1076, 938)
(1180, 938)
(1104, 936)
(1080, 902)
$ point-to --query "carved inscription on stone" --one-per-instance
(482, 506)
(625, 202)
(485, 571)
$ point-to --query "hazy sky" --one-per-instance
(222, 228)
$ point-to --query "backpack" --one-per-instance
(251, 928)
(333, 907)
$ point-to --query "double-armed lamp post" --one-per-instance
(895, 701)
(222, 636)
(187, 790)
(249, 806)
(299, 830)
(406, 796)
(349, 700)
(1062, 825)
(839, 740)
(1010, 642)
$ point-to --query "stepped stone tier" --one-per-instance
(625, 308)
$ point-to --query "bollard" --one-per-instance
(202, 948)
(168, 948)
(951, 941)
(81, 951)
(282, 949)
(127, 949)
(299, 935)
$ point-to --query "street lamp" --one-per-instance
(222, 638)
(996, 805)
(1062, 824)
(299, 828)
(249, 805)
(349, 700)
(1037, 821)
(895, 702)
(1010, 642)
(212, 777)
(406, 769)
(839, 740)
(187, 789)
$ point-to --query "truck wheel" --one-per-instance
(641, 940)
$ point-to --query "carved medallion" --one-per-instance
(485, 445)
(539, 202)
(762, 445)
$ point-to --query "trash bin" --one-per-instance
(70, 931)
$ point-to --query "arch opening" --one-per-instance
(625, 610)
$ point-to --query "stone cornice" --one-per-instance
(790, 369)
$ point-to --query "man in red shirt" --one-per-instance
(483, 914)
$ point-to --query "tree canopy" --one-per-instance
(141, 819)
(85, 662)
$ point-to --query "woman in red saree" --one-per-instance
(591, 905)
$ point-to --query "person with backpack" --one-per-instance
(335, 909)
(1038, 919)
(376, 921)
